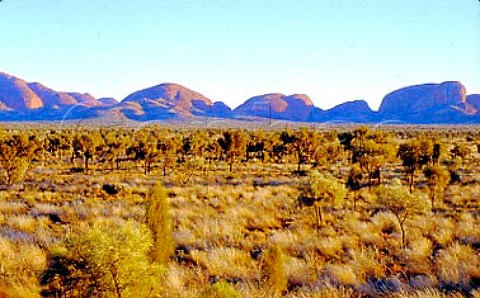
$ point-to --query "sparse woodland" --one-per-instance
(345, 211)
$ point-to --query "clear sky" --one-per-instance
(332, 50)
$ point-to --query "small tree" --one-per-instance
(15, 169)
(233, 144)
(87, 144)
(438, 149)
(437, 180)
(397, 199)
(354, 183)
(116, 144)
(370, 149)
(302, 143)
(453, 166)
(461, 151)
(325, 191)
(16, 153)
(273, 268)
(415, 154)
(327, 150)
(158, 220)
(146, 148)
(168, 147)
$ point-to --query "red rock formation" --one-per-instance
(16, 95)
(296, 107)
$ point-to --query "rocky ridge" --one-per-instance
(445, 102)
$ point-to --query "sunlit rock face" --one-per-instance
(174, 99)
(15, 94)
(50, 97)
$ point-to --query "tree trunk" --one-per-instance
(432, 196)
(116, 283)
(43, 157)
(412, 181)
(370, 180)
(85, 159)
(319, 216)
(402, 229)
(9, 178)
(401, 222)
(355, 197)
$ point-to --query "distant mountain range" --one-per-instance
(444, 103)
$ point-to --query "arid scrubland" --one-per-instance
(157, 212)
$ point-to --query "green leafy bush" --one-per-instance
(105, 259)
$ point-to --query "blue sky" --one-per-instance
(332, 50)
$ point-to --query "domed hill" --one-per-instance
(85, 99)
(421, 98)
(16, 95)
(52, 98)
(172, 99)
(108, 101)
(296, 107)
(351, 111)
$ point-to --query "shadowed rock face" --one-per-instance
(416, 99)
(351, 107)
(220, 109)
(355, 111)
(16, 95)
(474, 101)
(296, 107)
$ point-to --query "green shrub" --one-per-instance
(221, 289)
(397, 199)
(326, 191)
(103, 260)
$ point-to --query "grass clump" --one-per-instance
(158, 220)
(274, 274)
